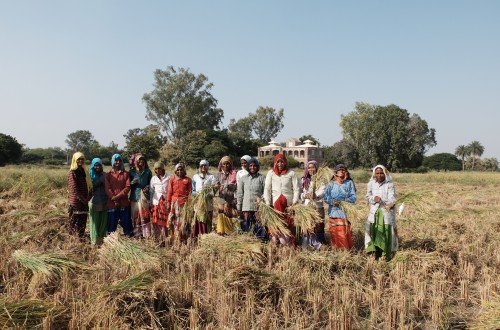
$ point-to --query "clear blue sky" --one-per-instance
(68, 65)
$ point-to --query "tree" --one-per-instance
(309, 137)
(188, 150)
(267, 123)
(147, 141)
(341, 153)
(83, 141)
(476, 149)
(181, 102)
(489, 164)
(51, 155)
(241, 129)
(462, 152)
(387, 135)
(442, 162)
(10, 150)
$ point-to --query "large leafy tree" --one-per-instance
(462, 152)
(267, 123)
(10, 150)
(147, 141)
(309, 137)
(442, 162)
(476, 150)
(181, 102)
(387, 135)
(188, 150)
(341, 153)
(83, 141)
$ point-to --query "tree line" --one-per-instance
(187, 126)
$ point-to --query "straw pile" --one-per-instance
(118, 252)
(26, 313)
(239, 247)
(250, 277)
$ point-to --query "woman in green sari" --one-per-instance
(381, 236)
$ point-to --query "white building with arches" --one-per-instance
(302, 152)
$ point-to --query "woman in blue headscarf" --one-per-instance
(97, 208)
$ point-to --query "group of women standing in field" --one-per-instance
(150, 205)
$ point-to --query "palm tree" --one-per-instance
(476, 149)
(462, 152)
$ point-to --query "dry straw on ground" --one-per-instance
(446, 274)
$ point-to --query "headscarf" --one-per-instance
(253, 161)
(95, 161)
(204, 162)
(177, 167)
(246, 157)
(306, 178)
(139, 156)
(115, 157)
(223, 160)
(131, 161)
(275, 161)
(74, 166)
(159, 164)
(388, 177)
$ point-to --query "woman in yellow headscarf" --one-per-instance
(80, 192)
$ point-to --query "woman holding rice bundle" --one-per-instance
(250, 191)
(226, 202)
(281, 189)
(312, 194)
(202, 183)
(381, 235)
(117, 186)
(140, 177)
(80, 192)
(97, 208)
(158, 187)
(340, 191)
(179, 190)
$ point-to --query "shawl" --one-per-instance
(95, 161)
(306, 178)
(115, 157)
(74, 166)
(275, 161)
(139, 156)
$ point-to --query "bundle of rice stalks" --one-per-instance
(188, 215)
(26, 313)
(355, 212)
(273, 220)
(49, 264)
(238, 246)
(117, 251)
(250, 277)
(140, 282)
(421, 201)
(201, 202)
(305, 218)
(322, 176)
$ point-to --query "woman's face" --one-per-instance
(280, 165)
(80, 161)
(180, 172)
(379, 175)
(118, 163)
(98, 168)
(160, 171)
(311, 169)
(252, 168)
(226, 166)
(140, 163)
(243, 164)
(203, 168)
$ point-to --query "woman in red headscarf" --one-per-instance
(281, 190)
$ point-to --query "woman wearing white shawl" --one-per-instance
(381, 231)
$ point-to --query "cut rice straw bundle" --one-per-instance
(238, 246)
(355, 212)
(188, 215)
(140, 282)
(201, 202)
(49, 264)
(322, 176)
(273, 220)
(305, 218)
(489, 316)
(245, 276)
(422, 201)
(117, 251)
(25, 314)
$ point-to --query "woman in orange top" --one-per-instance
(179, 190)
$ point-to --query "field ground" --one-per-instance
(445, 276)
